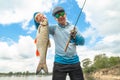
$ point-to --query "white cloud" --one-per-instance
(21, 56)
(7, 52)
(24, 48)
(31, 29)
(109, 44)
(91, 33)
(17, 56)
(18, 65)
(85, 52)
(103, 15)
(12, 11)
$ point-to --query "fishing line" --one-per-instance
(80, 13)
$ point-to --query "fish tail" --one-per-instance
(45, 68)
(42, 67)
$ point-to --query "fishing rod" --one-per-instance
(74, 26)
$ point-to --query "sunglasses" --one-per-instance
(60, 14)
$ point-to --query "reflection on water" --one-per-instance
(26, 78)
(31, 78)
(35, 78)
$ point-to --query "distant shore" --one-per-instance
(107, 77)
(108, 73)
(27, 73)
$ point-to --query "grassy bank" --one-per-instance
(102, 67)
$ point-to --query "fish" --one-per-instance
(42, 44)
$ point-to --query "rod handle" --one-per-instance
(67, 44)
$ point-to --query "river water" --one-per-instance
(38, 78)
(29, 78)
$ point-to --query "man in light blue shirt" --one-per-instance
(65, 62)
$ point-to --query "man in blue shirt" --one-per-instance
(65, 62)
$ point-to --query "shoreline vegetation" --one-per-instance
(102, 67)
(27, 73)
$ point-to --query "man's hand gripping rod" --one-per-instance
(71, 36)
(74, 27)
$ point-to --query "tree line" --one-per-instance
(26, 73)
(100, 61)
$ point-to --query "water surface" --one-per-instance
(27, 78)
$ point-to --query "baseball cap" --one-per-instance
(57, 9)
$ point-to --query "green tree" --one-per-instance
(86, 62)
(114, 61)
(27, 72)
(10, 73)
(86, 65)
(101, 61)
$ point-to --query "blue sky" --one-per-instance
(13, 30)
(98, 23)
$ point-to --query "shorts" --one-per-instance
(74, 71)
